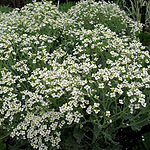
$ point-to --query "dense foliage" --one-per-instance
(72, 82)
(109, 14)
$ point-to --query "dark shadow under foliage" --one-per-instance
(21, 3)
(13, 3)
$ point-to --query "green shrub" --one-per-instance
(90, 13)
(69, 86)
(145, 38)
(65, 6)
(5, 9)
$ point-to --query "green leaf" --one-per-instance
(70, 144)
(20, 145)
(115, 147)
(146, 140)
(96, 147)
(96, 132)
(141, 122)
(78, 134)
(2, 146)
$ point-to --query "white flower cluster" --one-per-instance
(54, 71)
(89, 13)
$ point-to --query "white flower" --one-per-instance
(137, 106)
(89, 109)
(113, 94)
(129, 93)
(121, 101)
(96, 104)
(108, 113)
(92, 46)
(101, 85)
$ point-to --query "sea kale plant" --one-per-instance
(72, 80)
(90, 13)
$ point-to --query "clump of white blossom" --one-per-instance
(54, 71)
(89, 13)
